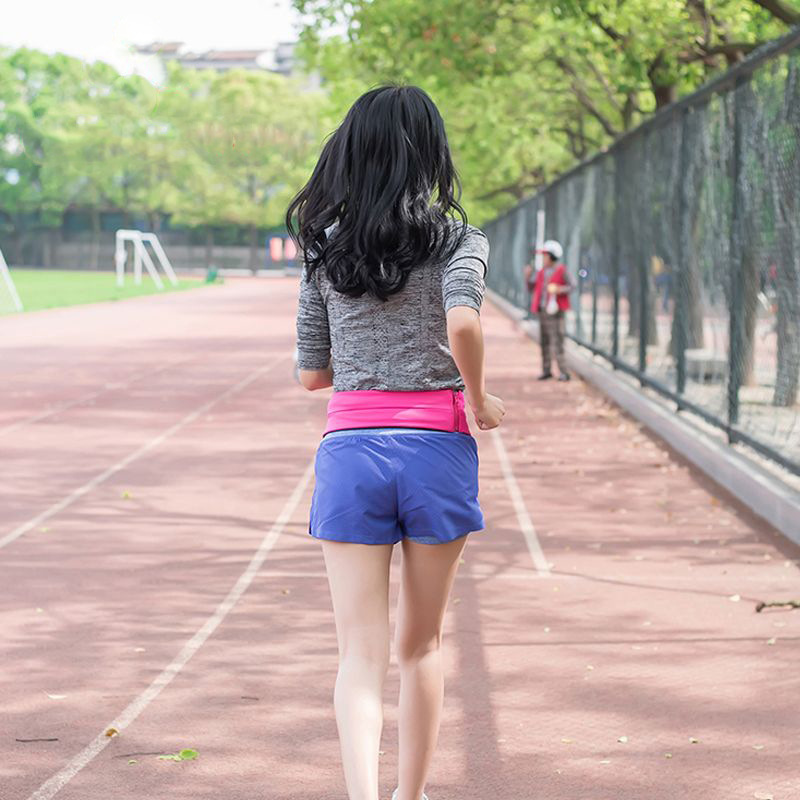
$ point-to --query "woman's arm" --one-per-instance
(463, 287)
(465, 335)
(313, 337)
(313, 379)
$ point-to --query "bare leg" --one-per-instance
(427, 576)
(358, 575)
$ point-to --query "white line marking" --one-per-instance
(55, 783)
(15, 426)
(130, 458)
(525, 523)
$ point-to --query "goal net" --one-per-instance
(141, 256)
(9, 299)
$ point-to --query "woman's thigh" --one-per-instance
(358, 576)
(427, 575)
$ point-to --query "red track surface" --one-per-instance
(131, 512)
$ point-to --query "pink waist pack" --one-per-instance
(437, 409)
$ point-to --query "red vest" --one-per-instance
(558, 277)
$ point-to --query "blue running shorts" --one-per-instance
(377, 485)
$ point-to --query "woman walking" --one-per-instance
(388, 315)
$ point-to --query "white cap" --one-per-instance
(553, 247)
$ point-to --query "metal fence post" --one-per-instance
(644, 311)
(735, 316)
(682, 289)
(615, 259)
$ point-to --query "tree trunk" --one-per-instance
(253, 248)
(693, 306)
(94, 259)
(664, 95)
(786, 200)
(750, 289)
(209, 245)
(47, 248)
(788, 331)
(17, 239)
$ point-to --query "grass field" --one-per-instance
(44, 288)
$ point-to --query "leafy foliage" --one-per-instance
(528, 88)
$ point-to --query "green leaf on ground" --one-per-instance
(187, 754)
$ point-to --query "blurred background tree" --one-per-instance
(527, 90)
(530, 88)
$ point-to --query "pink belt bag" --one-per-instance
(437, 409)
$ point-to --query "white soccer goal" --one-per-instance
(8, 292)
(141, 256)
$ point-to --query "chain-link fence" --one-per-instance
(683, 240)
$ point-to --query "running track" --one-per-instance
(157, 577)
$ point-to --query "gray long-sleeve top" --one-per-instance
(397, 345)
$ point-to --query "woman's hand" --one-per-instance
(489, 412)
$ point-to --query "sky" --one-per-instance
(104, 29)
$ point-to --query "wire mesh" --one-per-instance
(683, 241)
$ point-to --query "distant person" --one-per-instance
(551, 286)
(389, 316)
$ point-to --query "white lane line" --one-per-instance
(525, 522)
(131, 457)
(49, 412)
(57, 782)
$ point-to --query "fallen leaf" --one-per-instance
(771, 641)
(126, 495)
(44, 529)
(623, 739)
(285, 591)
(667, 755)
(693, 740)
(567, 741)
(112, 732)
(132, 761)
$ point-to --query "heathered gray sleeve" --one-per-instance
(463, 279)
(313, 334)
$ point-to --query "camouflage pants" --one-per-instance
(551, 340)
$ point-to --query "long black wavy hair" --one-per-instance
(386, 180)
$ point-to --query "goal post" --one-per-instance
(142, 256)
(7, 286)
